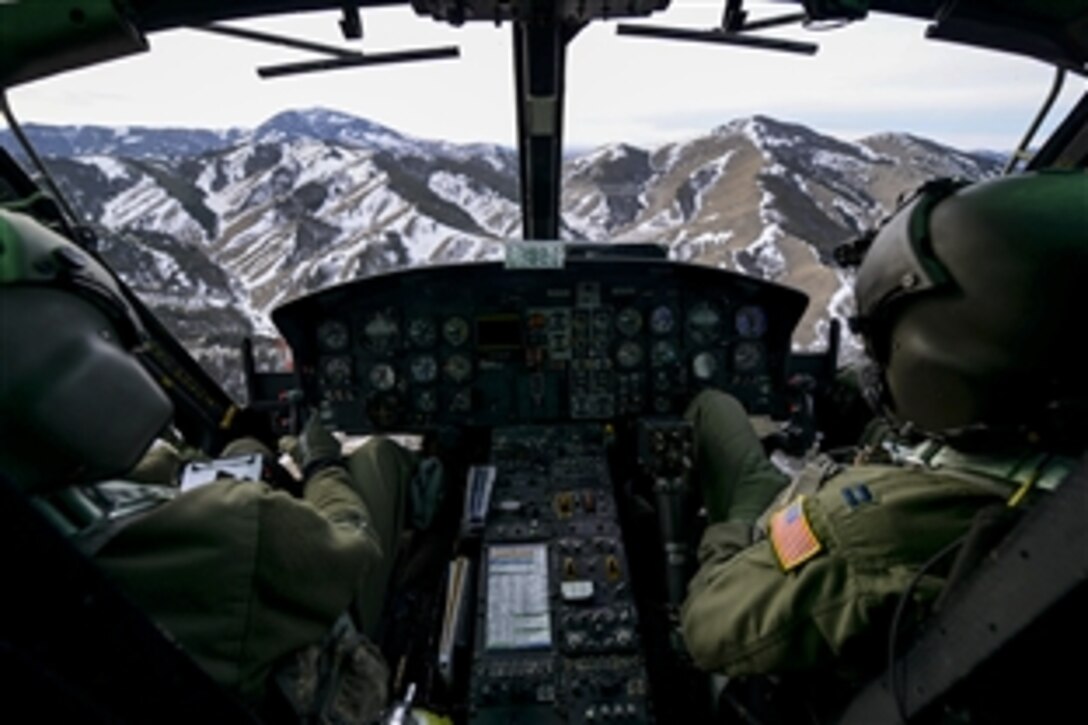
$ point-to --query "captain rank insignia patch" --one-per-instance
(792, 537)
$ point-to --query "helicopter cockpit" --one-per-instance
(558, 377)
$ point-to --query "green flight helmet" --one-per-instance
(969, 302)
(75, 404)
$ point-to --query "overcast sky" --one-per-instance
(878, 75)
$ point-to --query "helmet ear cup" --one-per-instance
(74, 404)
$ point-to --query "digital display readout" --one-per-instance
(498, 332)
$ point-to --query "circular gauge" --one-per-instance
(455, 331)
(426, 401)
(422, 332)
(381, 331)
(424, 369)
(662, 320)
(336, 370)
(629, 321)
(461, 401)
(747, 356)
(751, 322)
(458, 368)
(663, 354)
(332, 335)
(629, 354)
(382, 377)
(704, 365)
(704, 323)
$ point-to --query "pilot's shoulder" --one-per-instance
(894, 514)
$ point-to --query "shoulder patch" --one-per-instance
(857, 495)
(792, 537)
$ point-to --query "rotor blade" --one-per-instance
(359, 60)
(716, 36)
(273, 39)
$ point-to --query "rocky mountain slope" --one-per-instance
(216, 228)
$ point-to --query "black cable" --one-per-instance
(1029, 135)
(900, 611)
(72, 218)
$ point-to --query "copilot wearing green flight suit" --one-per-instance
(242, 574)
(821, 587)
(962, 298)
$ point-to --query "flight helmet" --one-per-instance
(969, 301)
(75, 403)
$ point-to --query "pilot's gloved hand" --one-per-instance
(317, 448)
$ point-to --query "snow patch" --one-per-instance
(113, 169)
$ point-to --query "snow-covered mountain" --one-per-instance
(216, 228)
(768, 198)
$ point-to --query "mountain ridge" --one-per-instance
(317, 197)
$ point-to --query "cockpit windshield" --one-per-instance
(219, 196)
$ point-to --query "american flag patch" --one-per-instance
(792, 537)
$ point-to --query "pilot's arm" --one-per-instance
(824, 582)
(242, 575)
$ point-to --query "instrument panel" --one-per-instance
(482, 345)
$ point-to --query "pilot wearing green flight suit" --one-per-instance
(243, 576)
(961, 302)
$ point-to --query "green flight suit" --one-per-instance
(745, 614)
(242, 575)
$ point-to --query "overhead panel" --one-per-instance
(565, 11)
